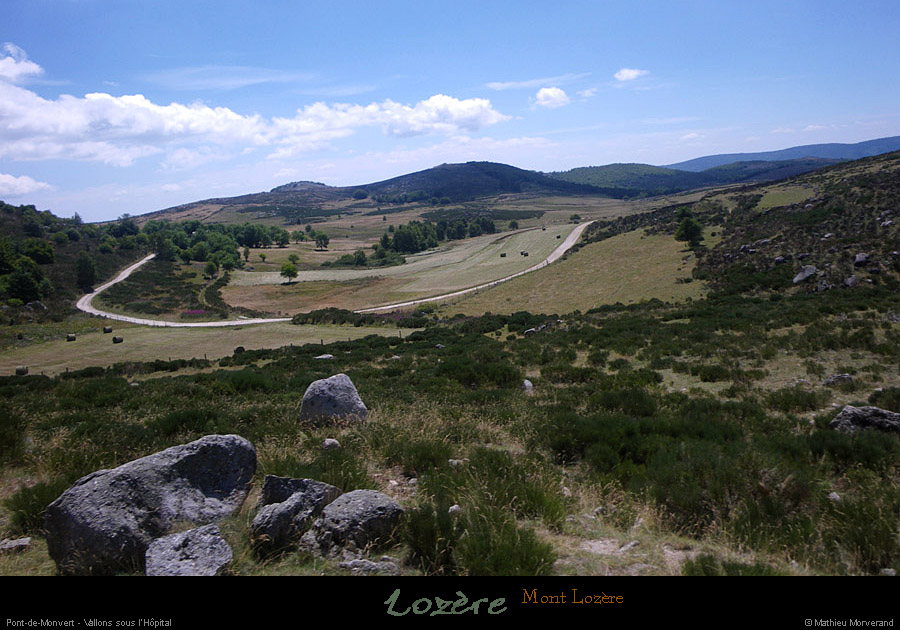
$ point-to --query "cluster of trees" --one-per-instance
(28, 247)
(212, 243)
(417, 236)
(321, 238)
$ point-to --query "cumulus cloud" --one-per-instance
(23, 185)
(630, 74)
(119, 130)
(551, 98)
(15, 65)
(319, 123)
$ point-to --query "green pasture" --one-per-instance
(148, 343)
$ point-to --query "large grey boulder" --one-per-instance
(104, 523)
(837, 380)
(807, 272)
(332, 398)
(852, 419)
(354, 522)
(287, 508)
(200, 551)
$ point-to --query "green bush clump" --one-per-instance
(860, 531)
(418, 456)
(335, 466)
(888, 398)
(480, 369)
(797, 399)
(708, 564)
(866, 449)
(431, 535)
(632, 401)
(106, 391)
(205, 420)
(28, 506)
(492, 543)
(242, 381)
(12, 434)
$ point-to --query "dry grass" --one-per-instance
(301, 297)
(627, 268)
(143, 343)
(459, 265)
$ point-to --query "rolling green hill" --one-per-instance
(448, 183)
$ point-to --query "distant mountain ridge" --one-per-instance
(445, 183)
(830, 151)
(646, 180)
(455, 183)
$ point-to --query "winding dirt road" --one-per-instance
(84, 303)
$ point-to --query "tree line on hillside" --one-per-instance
(417, 236)
(49, 259)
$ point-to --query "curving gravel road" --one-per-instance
(84, 303)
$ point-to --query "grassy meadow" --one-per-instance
(627, 268)
(678, 422)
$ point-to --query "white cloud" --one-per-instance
(533, 83)
(23, 185)
(551, 98)
(118, 130)
(588, 93)
(15, 65)
(316, 124)
(630, 74)
(691, 136)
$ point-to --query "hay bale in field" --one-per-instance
(70, 337)
(107, 329)
(21, 370)
(118, 340)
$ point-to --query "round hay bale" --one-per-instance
(118, 340)
(21, 370)
(107, 329)
(239, 350)
(70, 337)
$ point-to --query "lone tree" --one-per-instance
(289, 271)
(322, 240)
(689, 230)
(85, 271)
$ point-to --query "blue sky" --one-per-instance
(128, 106)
